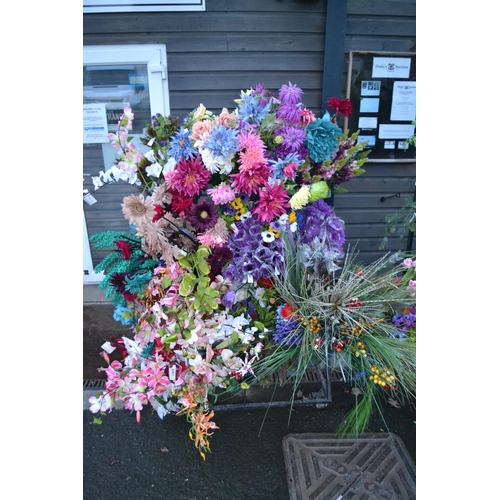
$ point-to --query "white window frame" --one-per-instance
(155, 57)
(97, 6)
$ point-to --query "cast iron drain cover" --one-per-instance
(327, 467)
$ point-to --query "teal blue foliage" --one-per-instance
(138, 282)
(108, 239)
(138, 268)
(148, 350)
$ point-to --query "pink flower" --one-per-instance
(273, 202)
(412, 287)
(158, 381)
(289, 170)
(409, 263)
(215, 236)
(249, 181)
(189, 177)
(221, 194)
(306, 117)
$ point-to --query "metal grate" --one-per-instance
(94, 384)
(372, 466)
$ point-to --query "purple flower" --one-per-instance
(319, 222)
(290, 94)
(252, 256)
(288, 332)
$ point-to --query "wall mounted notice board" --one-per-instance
(382, 89)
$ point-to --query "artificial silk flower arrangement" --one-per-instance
(233, 266)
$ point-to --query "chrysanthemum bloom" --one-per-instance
(202, 215)
(216, 236)
(189, 178)
(322, 138)
(160, 195)
(306, 117)
(249, 181)
(221, 194)
(252, 109)
(300, 198)
(222, 141)
(293, 138)
(289, 113)
(217, 163)
(342, 106)
(136, 208)
(273, 201)
(181, 146)
(290, 94)
(180, 203)
(251, 157)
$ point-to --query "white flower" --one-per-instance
(169, 166)
(97, 182)
(150, 155)
(154, 170)
(247, 335)
(267, 236)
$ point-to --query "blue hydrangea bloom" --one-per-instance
(322, 138)
(124, 315)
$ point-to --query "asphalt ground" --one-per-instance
(155, 459)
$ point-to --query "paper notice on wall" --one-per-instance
(404, 101)
(369, 87)
(391, 67)
(367, 122)
(390, 131)
(369, 105)
(95, 125)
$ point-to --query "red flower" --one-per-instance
(265, 283)
(287, 311)
(342, 106)
(180, 203)
(160, 212)
(125, 248)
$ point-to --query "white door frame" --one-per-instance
(155, 57)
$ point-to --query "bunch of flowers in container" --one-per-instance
(227, 204)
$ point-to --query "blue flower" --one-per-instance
(180, 145)
(288, 332)
(252, 109)
(322, 138)
(124, 315)
(222, 141)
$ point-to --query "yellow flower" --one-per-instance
(237, 203)
(300, 198)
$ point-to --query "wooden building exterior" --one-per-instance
(235, 44)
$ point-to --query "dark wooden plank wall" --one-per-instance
(211, 57)
(236, 44)
(387, 26)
